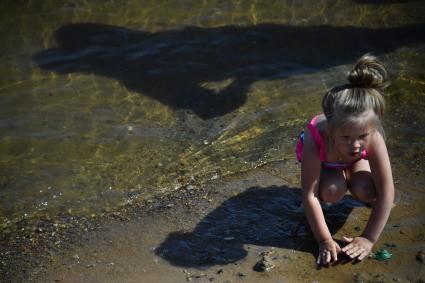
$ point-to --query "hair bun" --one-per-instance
(368, 72)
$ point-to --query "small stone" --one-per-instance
(420, 256)
(264, 264)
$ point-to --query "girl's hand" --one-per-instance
(328, 251)
(359, 247)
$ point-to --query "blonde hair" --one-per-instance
(365, 90)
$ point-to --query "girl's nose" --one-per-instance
(356, 143)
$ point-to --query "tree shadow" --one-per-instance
(210, 70)
(259, 216)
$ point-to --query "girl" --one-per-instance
(344, 149)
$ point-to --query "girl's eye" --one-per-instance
(363, 136)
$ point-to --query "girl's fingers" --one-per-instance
(334, 255)
(357, 253)
(338, 249)
(347, 248)
(347, 239)
(363, 255)
(328, 258)
(351, 250)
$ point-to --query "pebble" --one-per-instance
(420, 256)
(265, 263)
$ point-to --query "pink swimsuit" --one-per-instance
(321, 144)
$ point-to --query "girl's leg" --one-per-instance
(333, 186)
(360, 182)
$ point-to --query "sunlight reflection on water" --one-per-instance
(91, 132)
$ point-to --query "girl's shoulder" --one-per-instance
(317, 134)
(377, 141)
(318, 124)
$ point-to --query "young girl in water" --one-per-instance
(344, 150)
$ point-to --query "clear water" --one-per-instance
(109, 102)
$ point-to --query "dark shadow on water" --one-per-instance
(210, 70)
(259, 216)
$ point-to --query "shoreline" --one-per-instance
(143, 242)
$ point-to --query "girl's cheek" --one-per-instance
(341, 146)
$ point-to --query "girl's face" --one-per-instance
(351, 138)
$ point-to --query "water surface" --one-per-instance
(104, 103)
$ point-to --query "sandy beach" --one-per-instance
(219, 233)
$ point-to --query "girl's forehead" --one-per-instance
(361, 122)
(354, 126)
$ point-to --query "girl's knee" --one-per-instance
(362, 187)
(364, 192)
(333, 186)
(332, 193)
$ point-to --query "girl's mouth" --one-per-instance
(354, 154)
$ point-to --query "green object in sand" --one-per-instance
(381, 254)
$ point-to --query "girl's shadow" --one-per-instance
(259, 216)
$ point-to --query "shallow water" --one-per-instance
(106, 103)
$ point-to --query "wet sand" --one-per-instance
(218, 233)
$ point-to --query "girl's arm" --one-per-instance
(382, 178)
(310, 180)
